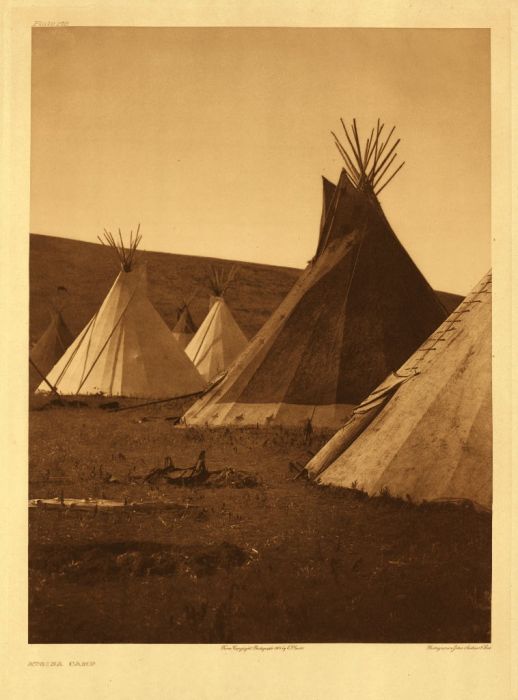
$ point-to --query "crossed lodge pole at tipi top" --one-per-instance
(125, 254)
(369, 168)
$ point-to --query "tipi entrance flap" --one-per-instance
(361, 418)
(383, 393)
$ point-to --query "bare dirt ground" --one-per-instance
(279, 561)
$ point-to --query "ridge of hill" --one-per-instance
(87, 271)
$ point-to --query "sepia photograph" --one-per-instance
(260, 336)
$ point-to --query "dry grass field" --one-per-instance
(254, 555)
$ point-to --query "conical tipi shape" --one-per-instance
(218, 341)
(426, 432)
(51, 344)
(126, 350)
(185, 328)
(357, 312)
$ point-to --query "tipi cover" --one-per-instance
(426, 432)
(185, 328)
(51, 344)
(357, 312)
(219, 339)
(126, 349)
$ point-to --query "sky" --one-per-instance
(215, 139)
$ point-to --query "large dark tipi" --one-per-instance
(357, 312)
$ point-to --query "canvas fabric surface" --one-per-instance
(357, 312)
(126, 349)
(218, 341)
(428, 433)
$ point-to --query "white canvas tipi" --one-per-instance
(426, 432)
(126, 349)
(219, 339)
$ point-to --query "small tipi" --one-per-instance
(53, 342)
(184, 328)
(426, 432)
(126, 349)
(219, 339)
(357, 312)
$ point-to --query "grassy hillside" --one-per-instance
(88, 270)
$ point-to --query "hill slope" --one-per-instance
(88, 270)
